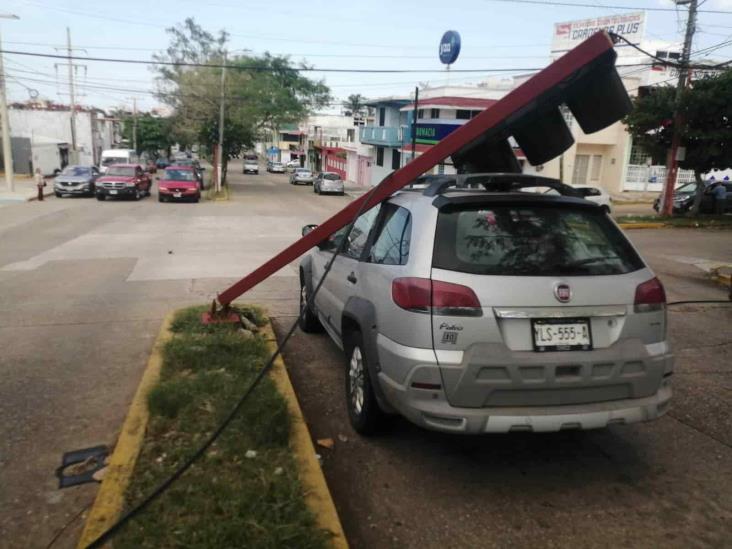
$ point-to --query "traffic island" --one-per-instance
(258, 485)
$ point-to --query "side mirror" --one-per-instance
(308, 229)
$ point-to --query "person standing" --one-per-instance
(40, 183)
(720, 198)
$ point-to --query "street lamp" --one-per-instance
(7, 148)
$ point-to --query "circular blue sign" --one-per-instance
(449, 47)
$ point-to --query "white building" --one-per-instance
(37, 125)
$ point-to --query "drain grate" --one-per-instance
(79, 466)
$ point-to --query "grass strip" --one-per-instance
(701, 221)
(226, 499)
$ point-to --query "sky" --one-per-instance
(371, 34)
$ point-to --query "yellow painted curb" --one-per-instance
(316, 493)
(110, 499)
(641, 225)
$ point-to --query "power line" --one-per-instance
(254, 68)
(602, 6)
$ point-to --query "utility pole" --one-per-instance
(220, 164)
(672, 164)
(134, 124)
(72, 103)
(415, 117)
(7, 145)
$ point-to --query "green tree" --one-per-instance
(153, 134)
(706, 133)
(261, 92)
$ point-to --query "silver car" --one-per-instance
(490, 309)
(76, 180)
(327, 183)
(301, 175)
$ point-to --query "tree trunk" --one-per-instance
(694, 210)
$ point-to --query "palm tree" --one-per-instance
(354, 104)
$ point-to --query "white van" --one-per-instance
(117, 156)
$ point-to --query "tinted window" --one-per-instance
(113, 160)
(391, 245)
(331, 176)
(462, 114)
(358, 237)
(531, 241)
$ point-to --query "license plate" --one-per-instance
(561, 334)
(112, 192)
(177, 195)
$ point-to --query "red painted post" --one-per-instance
(521, 97)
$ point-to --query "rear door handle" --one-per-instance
(352, 278)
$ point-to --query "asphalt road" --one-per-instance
(666, 483)
(84, 286)
(83, 289)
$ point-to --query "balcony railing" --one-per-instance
(389, 136)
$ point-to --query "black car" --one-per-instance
(76, 180)
(684, 198)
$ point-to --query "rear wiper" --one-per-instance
(589, 260)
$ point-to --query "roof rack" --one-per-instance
(493, 182)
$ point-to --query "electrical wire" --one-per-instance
(601, 6)
(254, 68)
(108, 534)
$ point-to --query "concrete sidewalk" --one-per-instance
(25, 189)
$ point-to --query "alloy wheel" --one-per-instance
(356, 380)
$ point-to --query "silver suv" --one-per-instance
(469, 305)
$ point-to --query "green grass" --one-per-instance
(700, 221)
(189, 320)
(225, 499)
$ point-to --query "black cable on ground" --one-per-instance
(162, 487)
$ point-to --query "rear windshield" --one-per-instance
(531, 241)
(331, 176)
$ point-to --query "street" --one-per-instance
(83, 289)
(84, 286)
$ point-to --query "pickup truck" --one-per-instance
(124, 181)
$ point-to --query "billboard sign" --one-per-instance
(449, 47)
(572, 33)
(430, 134)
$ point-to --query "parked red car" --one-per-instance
(124, 181)
(179, 183)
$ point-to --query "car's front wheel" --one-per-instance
(363, 410)
(100, 197)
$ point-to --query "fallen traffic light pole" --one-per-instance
(584, 79)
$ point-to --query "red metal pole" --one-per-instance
(518, 99)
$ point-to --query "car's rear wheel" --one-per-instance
(308, 320)
(363, 410)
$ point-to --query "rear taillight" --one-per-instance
(650, 296)
(422, 295)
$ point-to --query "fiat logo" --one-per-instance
(562, 293)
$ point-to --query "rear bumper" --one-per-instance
(401, 367)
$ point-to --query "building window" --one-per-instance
(566, 114)
(420, 113)
(396, 159)
(638, 156)
(434, 113)
(382, 116)
(379, 156)
(463, 114)
(596, 167)
(473, 114)
(350, 135)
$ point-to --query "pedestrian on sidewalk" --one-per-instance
(720, 198)
(40, 183)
